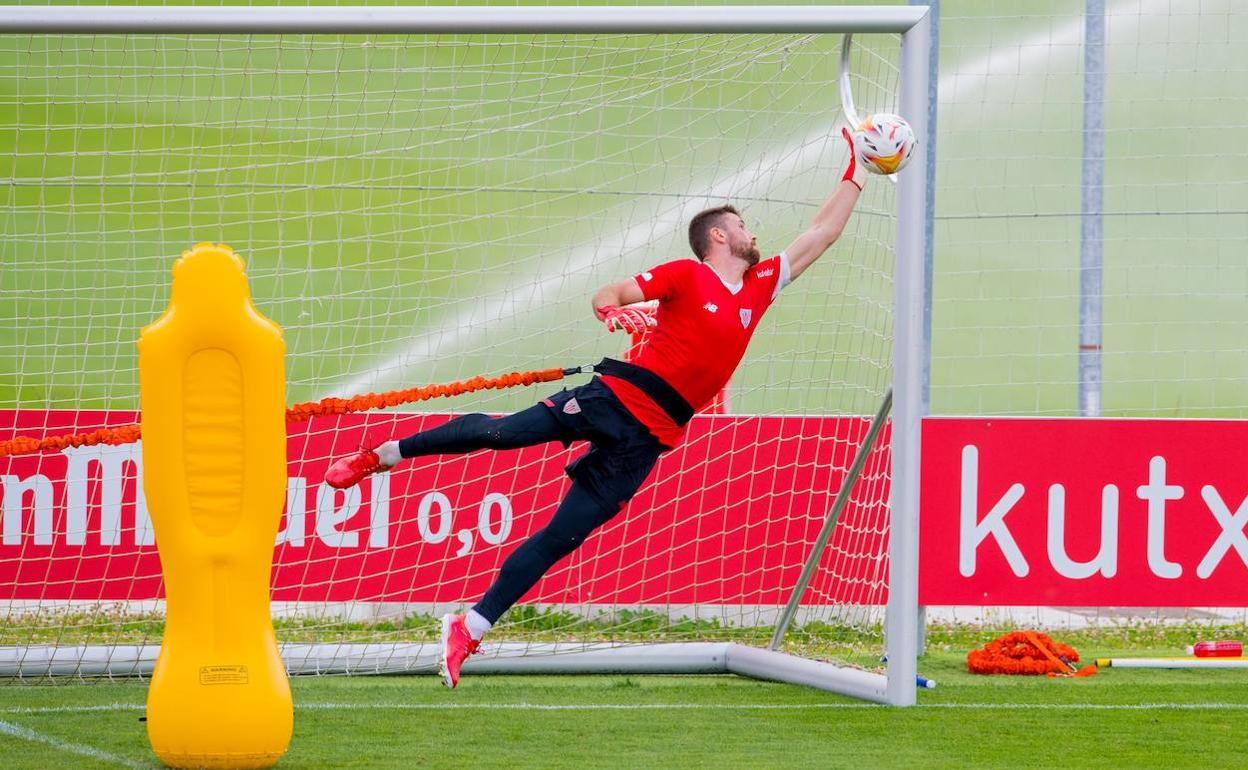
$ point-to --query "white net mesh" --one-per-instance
(416, 210)
(1007, 289)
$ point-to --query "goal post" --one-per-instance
(371, 163)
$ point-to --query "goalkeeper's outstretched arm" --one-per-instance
(618, 294)
(827, 225)
(611, 303)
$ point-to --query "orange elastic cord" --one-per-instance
(126, 434)
(1027, 653)
(1066, 667)
(122, 434)
(302, 412)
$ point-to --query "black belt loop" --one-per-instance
(652, 385)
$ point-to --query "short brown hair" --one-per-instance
(700, 228)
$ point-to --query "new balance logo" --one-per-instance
(766, 273)
(711, 306)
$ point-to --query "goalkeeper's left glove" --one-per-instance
(854, 172)
(633, 320)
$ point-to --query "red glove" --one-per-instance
(631, 319)
(854, 174)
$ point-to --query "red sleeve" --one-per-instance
(664, 281)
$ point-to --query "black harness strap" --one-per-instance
(652, 385)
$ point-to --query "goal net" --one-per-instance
(425, 208)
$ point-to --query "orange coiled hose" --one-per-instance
(1028, 653)
(126, 434)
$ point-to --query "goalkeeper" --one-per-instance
(707, 311)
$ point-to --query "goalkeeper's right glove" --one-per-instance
(854, 172)
(633, 320)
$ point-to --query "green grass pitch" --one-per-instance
(1118, 718)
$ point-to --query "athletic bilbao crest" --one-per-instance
(571, 407)
(745, 318)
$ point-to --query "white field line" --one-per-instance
(25, 733)
(674, 707)
(476, 317)
(72, 709)
(771, 706)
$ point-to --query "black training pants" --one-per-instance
(603, 479)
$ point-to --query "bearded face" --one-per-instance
(747, 250)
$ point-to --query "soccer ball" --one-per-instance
(884, 143)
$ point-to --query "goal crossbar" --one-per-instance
(464, 20)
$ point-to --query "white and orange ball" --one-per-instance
(884, 143)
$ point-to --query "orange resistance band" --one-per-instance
(1063, 664)
(1026, 652)
(126, 434)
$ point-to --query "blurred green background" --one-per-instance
(418, 209)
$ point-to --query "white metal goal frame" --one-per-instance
(912, 23)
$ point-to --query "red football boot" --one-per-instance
(351, 470)
(457, 645)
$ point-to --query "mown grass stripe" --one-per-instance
(26, 734)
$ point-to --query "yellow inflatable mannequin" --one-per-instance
(212, 386)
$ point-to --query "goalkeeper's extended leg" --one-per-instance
(469, 432)
(578, 515)
(603, 480)
(535, 425)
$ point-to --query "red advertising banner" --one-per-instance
(1084, 512)
(728, 518)
(1014, 512)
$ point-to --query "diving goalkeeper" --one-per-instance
(707, 311)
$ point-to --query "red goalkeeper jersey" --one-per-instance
(704, 326)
